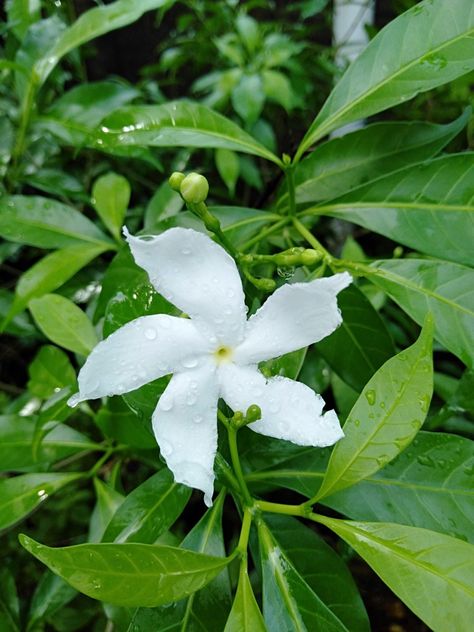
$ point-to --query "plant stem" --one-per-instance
(222, 468)
(279, 508)
(311, 239)
(265, 233)
(234, 454)
(19, 146)
(290, 182)
(244, 534)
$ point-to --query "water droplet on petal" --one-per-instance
(166, 403)
(191, 399)
(150, 333)
(166, 448)
(197, 419)
(190, 362)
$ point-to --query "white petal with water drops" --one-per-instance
(185, 428)
(290, 410)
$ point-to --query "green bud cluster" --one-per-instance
(297, 257)
(254, 413)
(193, 188)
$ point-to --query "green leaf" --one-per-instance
(428, 485)
(425, 47)
(9, 604)
(342, 164)
(89, 25)
(51, 594)
(386, 417)
(129, 574)
(428, 207)
(245, 615)
(361, 344)
(207, 609)
(20, 495)
(278, 88)
(248, 98)
(110, 198)
(323, 570)
(117, 422)
(21, 14)
(288, 365)
(176, 124)
(249, 31)
(432, 573)
(51, 272)
(149, 510)
(288, 601)
(46, 223)
(50, 371)
(164, 203)
(228, 166)
(16, 437)
(64, 323)
(442, 288)
(108, 502)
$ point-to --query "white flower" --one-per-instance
(214, 353)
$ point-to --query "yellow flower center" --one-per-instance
(223, 354)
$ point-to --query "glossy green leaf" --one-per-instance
(149, 510)
(442, 288)
(129, 574)
(9, 604)
(51, 272)
(342, 164)
(386, 417)
(164, 203)
(50, 371)
(108, 502)
(51, 594)
(110, 198)
(323, 570)
(245, 615)
(361, 344)
(64, 323)
(176, 124)
(288, 365)
(16, 437)
(88, 103)
(288, 601)
(428, 485)
(20, 495)
(208, 608)
(118, 422)
(427, 46)
(89, 25)
(46, 223)
(228, 166)
(431, 572)
(429, 207)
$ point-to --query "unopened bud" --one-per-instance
(267, 285)
(194, 188)
(175, 180)
(309, 257)
(253, 413)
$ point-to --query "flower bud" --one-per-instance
(194, 188)
(175, 180)
(253, 413)
(309, 257)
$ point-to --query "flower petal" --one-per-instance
(198, 276)
(185, 426)
(141, 351)
(290, 410)
(293, 317)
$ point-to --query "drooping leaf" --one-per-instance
(288, 601)
(322, 569)
(64, 323)
(110, 197)
(429, 207)
(431, 572)
(46, 223)
(445, 289)
(245, 615)
(344, 163)
(386, 417)
(425, 47)
(148, 511)
(20, 495)
(176, 124)
(129, 574)
(361, 344)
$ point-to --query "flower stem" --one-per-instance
(290, 183)
(311, 239)
(239, 475)
(245, 534)
(279, 508)
(265, 233)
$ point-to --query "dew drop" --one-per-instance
(166, 448)
(150, 333)
(370, 396)
(189, 363)
(191, 399)
(166, 403)
(197, 419)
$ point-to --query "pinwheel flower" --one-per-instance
(215, 353)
